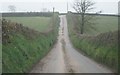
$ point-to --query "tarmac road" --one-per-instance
(63, 58)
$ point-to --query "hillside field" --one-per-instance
(101, 24)
(38, 23)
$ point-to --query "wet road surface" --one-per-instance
(63, 58)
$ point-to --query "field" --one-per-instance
(100, 44)
(38, 23)
(23, 46)
(105, 24)
(101, 24)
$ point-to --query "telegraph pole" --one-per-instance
(67, 7)
(53, 10)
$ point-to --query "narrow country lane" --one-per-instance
(63, 58)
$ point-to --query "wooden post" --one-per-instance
(53, 10)
(67, 7)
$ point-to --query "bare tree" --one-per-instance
(82, 7)
(12, 8)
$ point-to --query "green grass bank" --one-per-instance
(24, 46)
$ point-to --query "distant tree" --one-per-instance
(82, 7)
(12, 8)
(98, 12)
(44, 9)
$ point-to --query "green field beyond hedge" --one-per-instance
(38, 23)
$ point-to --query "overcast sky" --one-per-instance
(107, 6)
